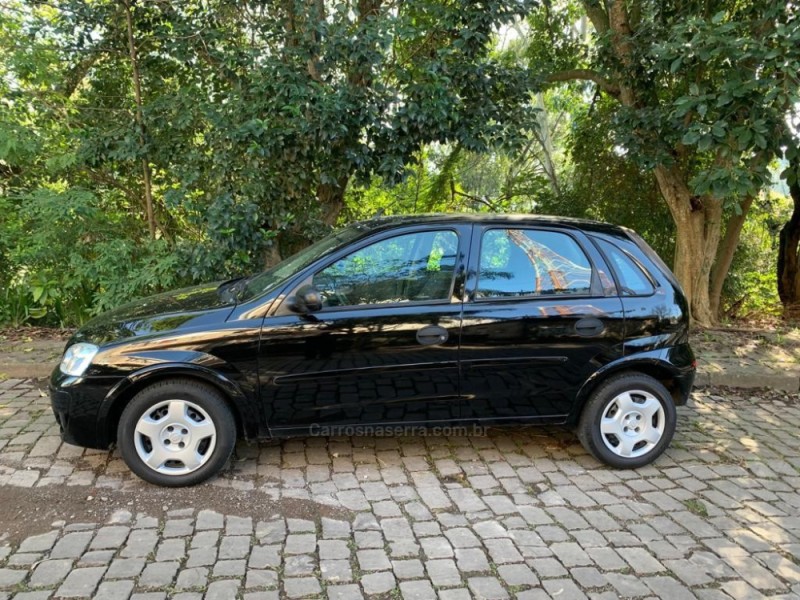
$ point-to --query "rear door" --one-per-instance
(541, 316)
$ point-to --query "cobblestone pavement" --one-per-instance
(520, 512)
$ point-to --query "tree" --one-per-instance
(602, 182)
(137, 94)
(297, 99)
(702, 90)
(519, 177)
(231, 130)
(789, 242)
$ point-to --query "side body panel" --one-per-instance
(362, 364)
(524, 358)
(656, 320)
(359, 366)
(225, 355)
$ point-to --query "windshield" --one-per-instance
(264, 282)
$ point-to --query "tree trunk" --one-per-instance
(137, 92)
(725, 254)
(546, 141)
(698, 225)
(788, 264)
(331, 199)
(272, 253)
(697, 220)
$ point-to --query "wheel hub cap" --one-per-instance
(175, 437)
(632, 424)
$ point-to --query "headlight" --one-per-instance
(77, 359)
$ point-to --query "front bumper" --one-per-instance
(76, 403)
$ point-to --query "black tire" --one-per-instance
(203, 396)
(589, 431)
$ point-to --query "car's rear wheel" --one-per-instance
(176, 433)
(629, 421)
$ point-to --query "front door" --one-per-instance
(383, 349)
(538, 321)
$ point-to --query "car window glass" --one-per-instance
(276, 275)
(519, 262)
(632, 279)
(407, 268)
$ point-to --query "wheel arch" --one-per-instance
(243, 408)
(663, 372)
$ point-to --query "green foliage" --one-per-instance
(74, 259)
(605, 185)
(15, 307)
(706, 87)
(256, 118)
(729, 79)
(267, 123)
(751, 287)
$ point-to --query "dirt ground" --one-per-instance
(27, 512)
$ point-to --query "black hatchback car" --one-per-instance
(393, 322)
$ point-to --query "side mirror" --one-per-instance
(306, 300)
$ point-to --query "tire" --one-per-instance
(628, 421)
(176, 433)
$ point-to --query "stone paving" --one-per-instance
(520, 512)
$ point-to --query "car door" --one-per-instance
(383, 348)
(541, 316)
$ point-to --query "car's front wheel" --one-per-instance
(176, 433)
(629, 421)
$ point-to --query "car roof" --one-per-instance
(386, 222)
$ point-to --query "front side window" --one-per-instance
(522, 262)
(413, 267)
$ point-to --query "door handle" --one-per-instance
(589, 326)
(432, 335)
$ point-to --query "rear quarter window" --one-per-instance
(633, 281)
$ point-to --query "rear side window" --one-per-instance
(522, 262)
(632, 279)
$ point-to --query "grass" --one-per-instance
(697, 507)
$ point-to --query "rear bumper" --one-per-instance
(681, 358)
(684, 383)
